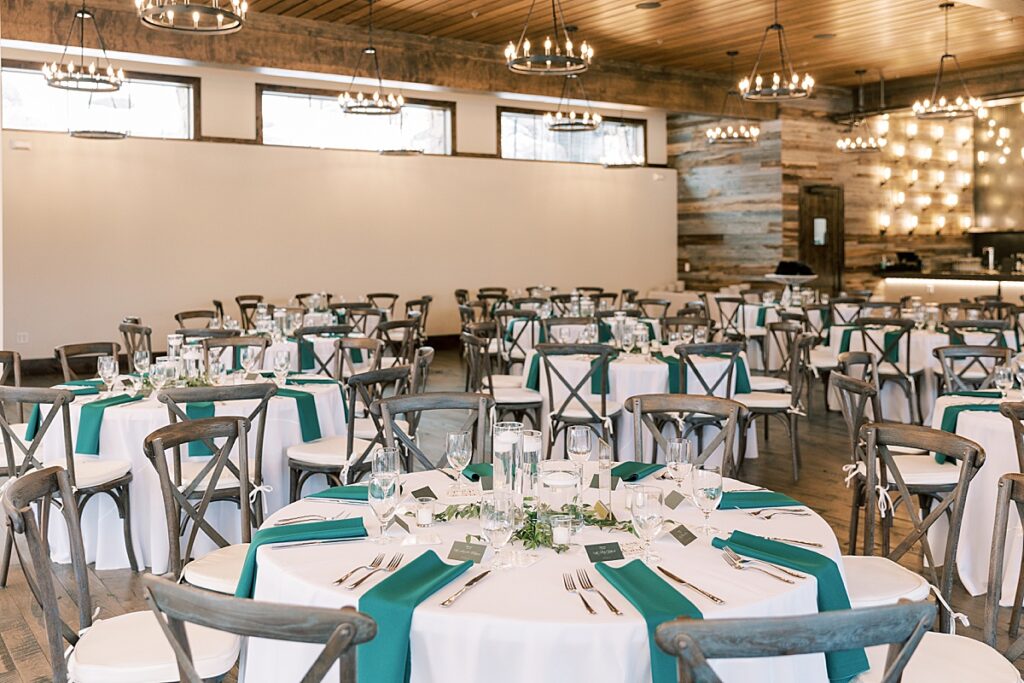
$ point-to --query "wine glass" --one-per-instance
(141, 361)
(248, 356)
(686, 334)
(700, 334)
(628, 342)
(707, 493)
(647, 509)
(579, 444)
(215, 372)
(768, 298)
(459, 451)
(384, 461)
(106, 367)
(282, 364)
(382, 495)
(1003, 379)
(678, 459)
(497, 522)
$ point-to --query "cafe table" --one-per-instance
(519, 623)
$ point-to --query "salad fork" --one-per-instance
(373, 565)
(392, 566)
(754, 563)
(736, 563)
(587, 585)
(570, 586)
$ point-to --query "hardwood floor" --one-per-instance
(823, 445)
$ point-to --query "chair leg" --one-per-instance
(1015, 612)
(125, 508)
(293, 484)
(855, 505)
(795, 445)
(5, 559)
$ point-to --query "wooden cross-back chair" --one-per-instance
(69, 354)
(561, 303)
(554, 336)
(587, 291)
(136, 338)
(330, 365)
(370, 351)
(339, 631)
(817, 320)
(517, 332)
(860, 365)
(187, 499)
(574, 408)
(845, 310)
(10, 375)
(532, 303)
(247, 309)
(694, 641)
(1010, 496)
(365, 318)
(857, 399)
(892, 353)
(218, 306)
(84, 638)
(383, 300)
(978, 332)
(731, 320)
(709, 383)
(478, 407)
(461, 296)
(880, 309)
(419, 309)
(655, 309)
(783, 337)
(970, 368)
(628, 296)
(88, 476)
(674, 325)
(492, 290)
(651, 412)
(516, 401)
(303, 298)
(401, 338)
(185, 318)
(219, 347)
(193, 475)
(606, 299)
(490, 302)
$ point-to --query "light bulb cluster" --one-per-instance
(572, 121)
(556, 59)
(861, 139)
(68, 76)
(739, 133)
(375, 103)
(943, 108)
(210, 17)
(758, 87)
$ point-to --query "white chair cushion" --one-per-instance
(365, 429)
(756, 332)
(944, 658)
(877, 581)
(509, 395)
(132, 648)
(506, 381)
(328, 451)
(821, 357)
(93, 471)
(762, 383)
(218, 570)
(922, 470)
(575, 411)
(764, 399)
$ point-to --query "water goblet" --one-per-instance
(700, 334)
(1003, 379)
(174, 343)
(707, 494)
(141, 361)
(384, 461)
(647, 509)
(679, 460)
(106, 367)
(628, 342)
(215, 372)
(382, 496)
(686, 334)
(579, 444)
(249, 357)
(282, 364)
(497, 522)
(458, 451)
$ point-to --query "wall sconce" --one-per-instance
(982, 157)
(963, 135)
(924, 153)
(912, 178)
(983, 113)
(965, 223)
(911, 130)
(952, 157)
(1006, 149)
(989, 134)
(939, 222)
(1004, 133)
(886, 173)
(900, 198)
(939, 177)
(898, 151)
(884, 222)
(964, 178)
(938, 132)
(1001, 159)
(950, 200)
(910, 223)
(924, 201)
(882, 125)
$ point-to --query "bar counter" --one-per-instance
(948, 287)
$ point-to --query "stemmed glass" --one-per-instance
(628, 341)
(647, 509)
(686, 334)
(579, 445)
(384, 461)
(282, 364)
(707, 494)
(141, 361)
(700, 334)
(382, 495)
(459, 451)
(1003, 379)
(248, 355)
(106, 367)
(497, 522)
(679, 459)
(158, 374)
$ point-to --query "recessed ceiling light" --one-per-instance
(824, 36)
(648, 5)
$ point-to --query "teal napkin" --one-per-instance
(740, 371)
(385, 659)
(299, 381)
(477, 470)
(951, 415)
(306, 361)
(84, 387)
(844, 664)
(976, 394)
(90, 420)
(891, 354)
(604, 332)
(32, 426)
(674, 375)
(761, 312)
(844, 343)
(199, 411)
(657, 603)
(742, 500)
(533, 374)
(342, 493)
(311, 531)
(595, 380)
(634, 471)
(957, 339)
(309, 421)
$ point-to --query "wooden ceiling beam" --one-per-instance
(322, 47)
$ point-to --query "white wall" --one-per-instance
(94, 230)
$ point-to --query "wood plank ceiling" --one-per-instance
(829, 38)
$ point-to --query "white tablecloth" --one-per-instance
(520, 624)
(122, 433)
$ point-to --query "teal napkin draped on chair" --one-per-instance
(386, 658)
(199, 411)
(951, 415)
(91, 419)
(740, 371)
(510, 329)
(343, 493)
(306, 359)
(891, 354)
(309, 421)
(842, 665)
(657, 603)
(743, 500)
(762, 311)
(300, 381)
(533, 373)
(477, 470)
(673, 371)
(329, 530)
(634, 471)
(596, 378)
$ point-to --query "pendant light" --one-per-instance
(92, 77)
(208, 17)
(740, 132)
(566, 119)
(940, 105)
(376, 103)
(560, 56)
(859, 138)
(784, 84)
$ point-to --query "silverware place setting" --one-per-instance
(302, 519)
(796, 541)
(734, 560)
(588, 585)
(570, 585)
(683, 582)
(469, 584)
(392, 565)
(376, 562)
(768, 513)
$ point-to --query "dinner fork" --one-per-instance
(373, 565)
(768, 513)
(736, 563)
(570, 586)
(754, 562)
(392, 566)
(587, 585)
(301, 519)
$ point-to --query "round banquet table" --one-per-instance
(630, 375)
(520, 624)
(122, 432)
(323, 347)
(994, 433)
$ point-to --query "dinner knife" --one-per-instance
(469, 584)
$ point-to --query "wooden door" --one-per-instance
(822, 234)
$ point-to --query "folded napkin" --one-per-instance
(306, 357)
(481, 469)
(740, 372)
(91, 418)
(533, 374)
(385, 659)
(342, 493)
(976, 394)
(951, 415)
(199, 411)
(82, 387)
(674, 378)
(742, 500)
(309, 421)
(657, 603)
(634, 471)
(597, 377)
(32, 426)
(844, 664)
(299, 381)
(761, 312)
(328, 530)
